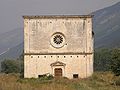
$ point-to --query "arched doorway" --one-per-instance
(58, 72)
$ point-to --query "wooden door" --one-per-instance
(58, 72)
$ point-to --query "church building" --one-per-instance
(61, 46)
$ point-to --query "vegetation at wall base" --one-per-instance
(99, 80)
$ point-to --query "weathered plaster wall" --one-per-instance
(77, 53)
(77, 33)
(75, 64)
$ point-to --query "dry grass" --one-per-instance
(99, 81)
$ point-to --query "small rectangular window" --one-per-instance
(41, 76)
(75, 75)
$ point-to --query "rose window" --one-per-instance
(57, 40)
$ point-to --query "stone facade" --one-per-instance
(58, 45)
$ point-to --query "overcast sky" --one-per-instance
(11, 11)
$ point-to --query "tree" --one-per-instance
(11, 66)
(21, 59)
(115, 62)
(102, 58)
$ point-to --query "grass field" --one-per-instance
(99, 81)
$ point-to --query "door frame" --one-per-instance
(58, 64)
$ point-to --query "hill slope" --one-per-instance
(13, 53)
(107, 27)
(11, 39)
(11, 43)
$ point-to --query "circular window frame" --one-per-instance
(61, 44)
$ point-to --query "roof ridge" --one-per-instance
(57, 16)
